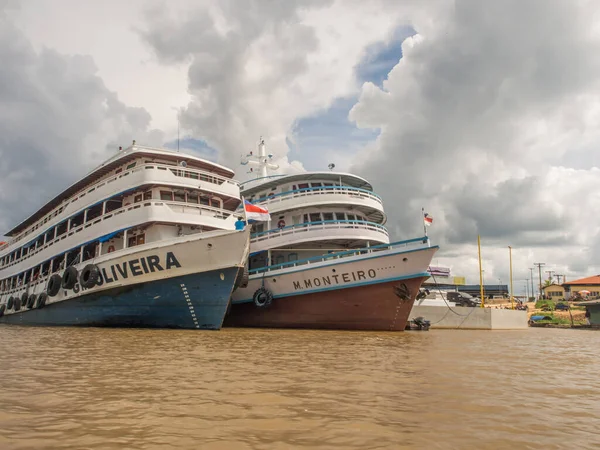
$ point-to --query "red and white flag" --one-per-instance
(255, 212)
(427, 219)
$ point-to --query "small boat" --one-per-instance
(323, 259)
(146, 239)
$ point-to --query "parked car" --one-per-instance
(463, 299)
(561, 307)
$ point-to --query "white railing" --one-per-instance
(350, 192)
(316, 226)
(193, 174)
(218, 213)
(417, 243)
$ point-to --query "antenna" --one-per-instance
(261, 160)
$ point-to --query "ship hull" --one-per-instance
(182, 283)
(197, 301)
(366, 292)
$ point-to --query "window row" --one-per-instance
(189, 172)
(95, 212)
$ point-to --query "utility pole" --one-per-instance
(531, 270)
(511, 278)
(539, 266)
(527, 288)
(550, 275)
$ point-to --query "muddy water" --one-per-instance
(259, 389)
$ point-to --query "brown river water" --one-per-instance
(91, 388)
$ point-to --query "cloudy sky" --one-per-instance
(485, 113)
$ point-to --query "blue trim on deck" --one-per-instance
(342, 286)
(336, 255)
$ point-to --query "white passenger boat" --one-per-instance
(324, 259)
(146, 239)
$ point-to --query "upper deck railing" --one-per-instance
(194, 174)
(417, 243)
(314, 191)
(191, 208)
(320, 225)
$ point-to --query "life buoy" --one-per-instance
(262, 297)
(2, 308)
(54, 285)
(31, 301)
(10, 303)
(281, 223)
(24, 298)
(17, 304)
(111, 248)
(89, 276)
(69, 278)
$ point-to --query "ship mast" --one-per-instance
(262, 161)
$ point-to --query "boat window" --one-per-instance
(259, 227)
(293, 257)
(180, 196)
(89, 251)
(316, 184)
(302, 185)
(119, 170)
(113, 204)
(77, 220)
(215, 202)
(136, 240)
(148, 195)
(138, 198)
(315, 217)
(351, 217)
(192, 197)
(131, 166)
(340, 216)
(306, 219)
(204, 200)
(166, 195)
(327, 216)
(279, 259)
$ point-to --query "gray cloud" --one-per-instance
(474, 116)
(236, 75)
(57, 120)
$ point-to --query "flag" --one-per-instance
(255, 212)
(427, 219)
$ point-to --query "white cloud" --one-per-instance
(273, 64)
(490, 120)
(476, 118)
(57, 120)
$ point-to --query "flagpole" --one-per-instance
(244, 210)
(423, 219)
